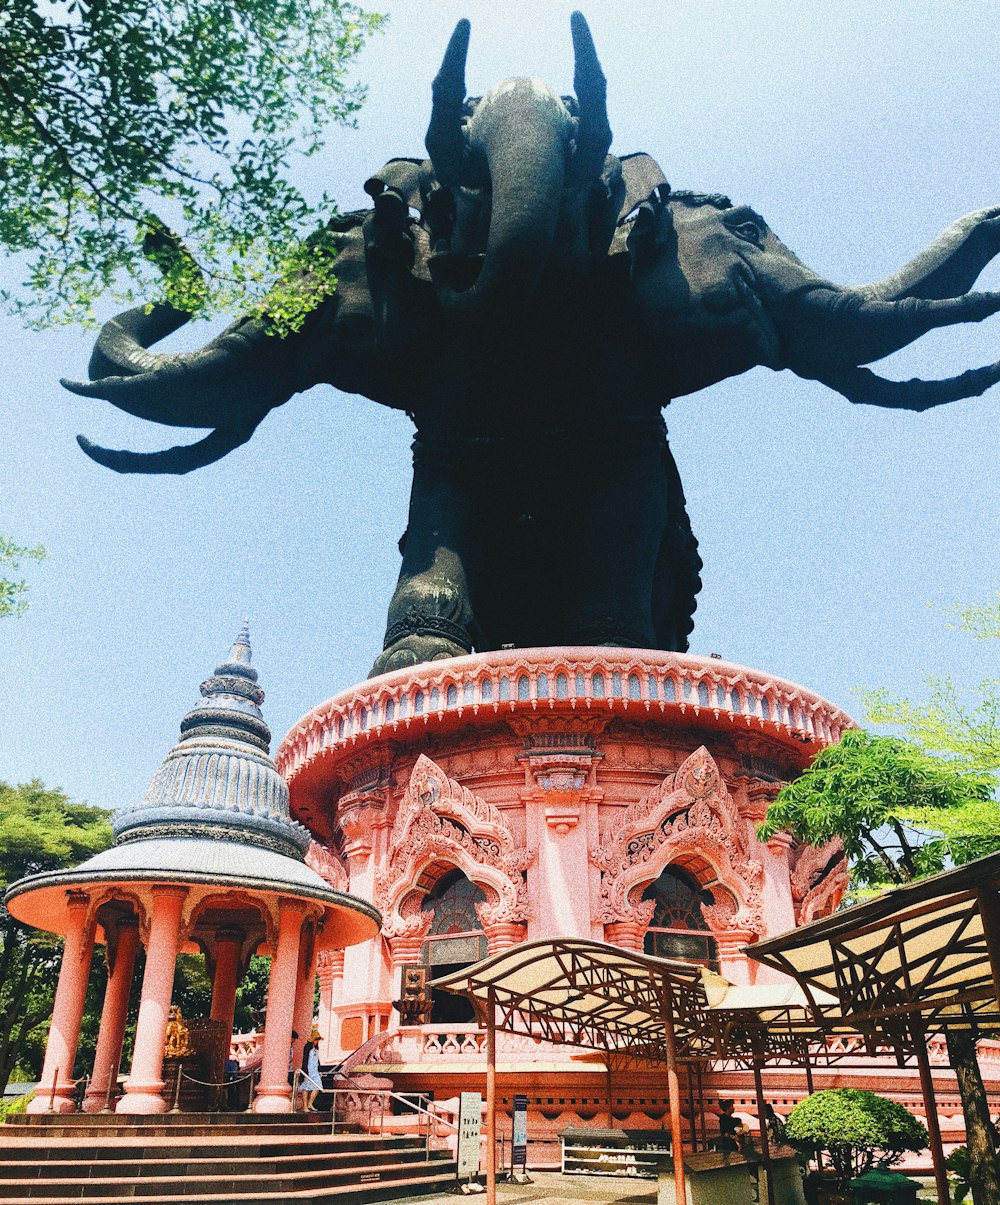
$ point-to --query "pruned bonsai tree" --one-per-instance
(856, 1129)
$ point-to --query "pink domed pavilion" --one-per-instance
(210, 861)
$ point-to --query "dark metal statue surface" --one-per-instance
(532, 302)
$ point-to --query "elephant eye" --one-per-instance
(750, 232)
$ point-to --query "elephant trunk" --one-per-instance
(520, 132)
(825, 328)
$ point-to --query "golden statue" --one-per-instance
(178, 1039)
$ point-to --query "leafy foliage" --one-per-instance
(15, 1107)
(251, 995)
(958, 1162)
(13, 590)
(40, 829)
(900, 812)
(110, 106)
(857, 1129)
(962, 725)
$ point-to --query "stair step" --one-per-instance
(62, 1128)
(229, 1163)
(203, 1145)
(345, 1194)
(200, 1183)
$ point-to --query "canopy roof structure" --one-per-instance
(930, 950)
(586, 993)
(632, 1006)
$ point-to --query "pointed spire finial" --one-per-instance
(240, 653)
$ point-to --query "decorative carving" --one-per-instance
(690, 813)
(560, 781)
(328, 866)
(340, 732)
(329, 964)
(439, 820)
(359, 815)
(819, 880)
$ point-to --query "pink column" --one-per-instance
(274, 1092)
(305, 991)
(56, 1085)
(330, 966)
(229, 944)
(144, 1085)
(100, 1091)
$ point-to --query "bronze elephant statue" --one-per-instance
(533, 302)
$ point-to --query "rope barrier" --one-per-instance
(207, 1083)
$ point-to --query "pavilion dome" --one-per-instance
(219, 781)
(215, 815)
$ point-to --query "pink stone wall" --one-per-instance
(561, 782)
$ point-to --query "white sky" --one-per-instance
(858, 129)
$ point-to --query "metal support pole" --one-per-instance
(811, 1088)
(491, 1097)
(989, 912)
(690, 1099)
(930, 1111)
(177, 1091)
(701, 1109)
(765, 1143)
(611, 1116)
(673, 1092)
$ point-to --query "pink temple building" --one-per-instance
(497, 798)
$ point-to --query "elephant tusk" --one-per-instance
(593, 139)
(183, 458)
(445, 141)
(864, 387)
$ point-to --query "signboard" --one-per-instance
(519, 1135)
(469, 1125)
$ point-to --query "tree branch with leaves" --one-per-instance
(13, 591)
(113, 111)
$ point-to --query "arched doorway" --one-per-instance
(454, 940)
(678, 928)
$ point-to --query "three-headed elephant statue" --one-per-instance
(533, 302)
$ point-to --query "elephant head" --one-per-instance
(721, 293)
(232, 383)
(516, 170)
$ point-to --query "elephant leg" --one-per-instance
(610, 545)
(430, 615)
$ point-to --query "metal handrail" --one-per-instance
(411, 1101)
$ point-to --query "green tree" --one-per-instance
(40, 829)
(13, 590)
(251, 995)
(962, 725)
(900, 812)
(857, 1129)
(112, 108)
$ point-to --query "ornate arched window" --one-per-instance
(678, 928)
(454, 940)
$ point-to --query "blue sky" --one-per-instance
(831, 533)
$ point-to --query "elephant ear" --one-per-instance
(642, 176)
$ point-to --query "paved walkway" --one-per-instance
(553, 1188)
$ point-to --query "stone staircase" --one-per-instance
(198, 1159)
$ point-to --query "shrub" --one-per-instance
(11, 1108)
(857, 1129)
